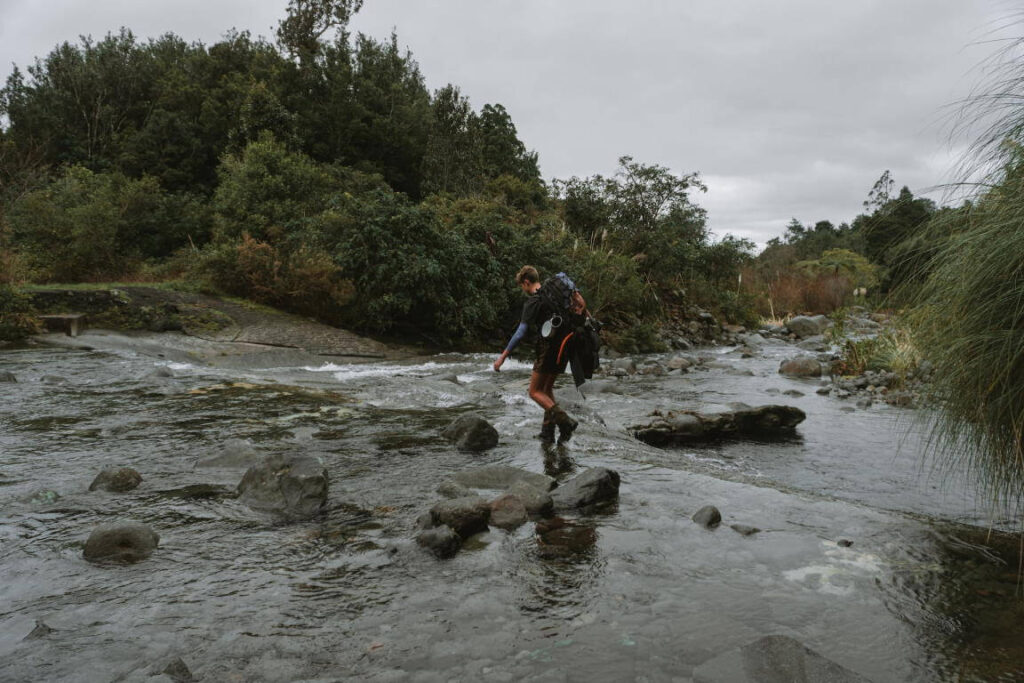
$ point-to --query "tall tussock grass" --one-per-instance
(968, 295)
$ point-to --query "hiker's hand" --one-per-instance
(501, 359)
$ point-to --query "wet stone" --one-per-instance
(41, 630)
(8, 377)
(236, 453)
(708, 517)
(592, 486)
(773, 659)
(120, 542)
(466, 516)
(451, 489)
(744, 530)
(178, 671)
(536, 501)
(199, 492)
(508, 512)
(441, 540)
(844, 543)
(503, 477)
(803, 366)
(471, 432)
(116, 480)
(292, 486)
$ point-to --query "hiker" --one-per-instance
(551, 357)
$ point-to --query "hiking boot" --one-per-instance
(547, 429)
(566, 425)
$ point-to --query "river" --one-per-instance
(921, 594)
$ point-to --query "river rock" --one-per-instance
(235, 453)
(802, 366)
(537, 501)
(502, 477)
(466, 516)
(708, 517)
(744, 529)
(8, 377)
(177, 670)
(441, 540)
(740, 421)
(508, 512)
(626, 364)
(681, 361)
(592, 486)
(116, 480)
(451, 489)
(293, 486)
(471, 432)
(808, 326)
(557, 537)
(40, 631)
(815, 343)
(120, 542)
(773, 659)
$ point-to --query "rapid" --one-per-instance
(921, 592)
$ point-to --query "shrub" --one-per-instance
(17, 319)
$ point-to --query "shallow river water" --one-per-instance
(924, 593)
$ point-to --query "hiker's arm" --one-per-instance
(512, 343)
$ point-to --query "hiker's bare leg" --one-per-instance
(540, 389)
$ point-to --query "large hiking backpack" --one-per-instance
(564, 299)
(569, 309)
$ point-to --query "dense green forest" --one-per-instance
(319, 174)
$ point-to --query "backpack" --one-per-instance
(564, 299)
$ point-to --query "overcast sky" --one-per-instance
(790, 108)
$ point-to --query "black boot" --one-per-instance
(547, 429)
(566, 425)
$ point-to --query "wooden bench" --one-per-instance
(68, 323)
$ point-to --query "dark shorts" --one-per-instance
(547, 357)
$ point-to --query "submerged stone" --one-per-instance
(116, 480)
(8, 377)
(774, 659)
(536, 501)
(121, 542)
(441, 540)
(293, 486)
(503, 477)
(740, 421)
(744, 530)
(40, 631)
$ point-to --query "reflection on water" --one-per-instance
(633, 591)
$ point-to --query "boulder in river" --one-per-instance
(592, 486)
(471, 432)
(665, 428)
(744, 529)
(451, 489)
(120, 542)
(9, 377)
(502, 477)
(466, 516)
(773, 659)
(40, 631)
(708, 517)
(537, 501)
(441, 540)
(805, 326)
(293, 486)
(116, 480)
(801, 366)
(508, 512)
